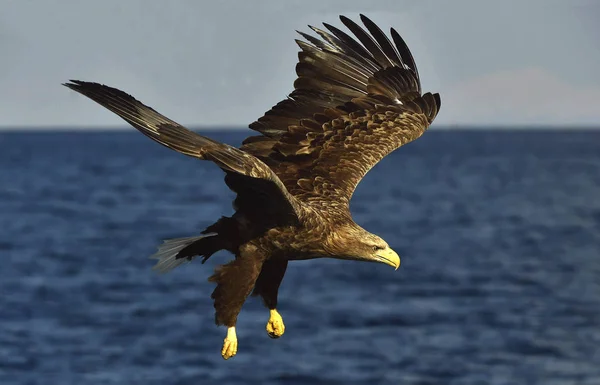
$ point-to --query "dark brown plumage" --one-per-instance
(354, 102)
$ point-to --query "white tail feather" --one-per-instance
(167, 252)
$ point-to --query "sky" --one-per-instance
(215, 64)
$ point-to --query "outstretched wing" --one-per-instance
(354, 102)
(252, 180)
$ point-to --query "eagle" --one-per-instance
(355, 100)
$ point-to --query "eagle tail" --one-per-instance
(177, 251)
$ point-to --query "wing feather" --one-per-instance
(354, 101)
(368, 42)
(258, 179)
(406, 55)
(349, 47)
(383, 41)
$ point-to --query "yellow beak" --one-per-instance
(389, 257)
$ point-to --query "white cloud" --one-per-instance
(531, 96)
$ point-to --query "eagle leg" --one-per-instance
(267, 286)
(235, 281)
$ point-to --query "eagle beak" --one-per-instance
(389, 257)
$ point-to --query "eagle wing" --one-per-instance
(249, 177)
(353, 104)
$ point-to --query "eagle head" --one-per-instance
(355, 243)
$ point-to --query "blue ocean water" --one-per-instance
(499, 234)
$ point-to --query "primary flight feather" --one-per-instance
(355, 101)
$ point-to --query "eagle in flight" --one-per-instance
(355, 100)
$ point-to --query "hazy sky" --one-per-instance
(206, 63)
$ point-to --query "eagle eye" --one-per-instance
(377, 248)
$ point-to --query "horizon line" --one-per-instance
(223, 127)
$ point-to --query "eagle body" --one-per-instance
(355, 101)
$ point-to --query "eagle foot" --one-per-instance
(275, 327)
(230, 344)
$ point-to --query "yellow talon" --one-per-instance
(275, 326)
(230, 344)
